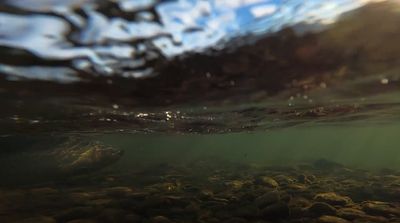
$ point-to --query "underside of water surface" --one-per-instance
(161, 111)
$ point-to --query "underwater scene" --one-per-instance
(208, 111)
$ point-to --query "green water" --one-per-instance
(371, 146)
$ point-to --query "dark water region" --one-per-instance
(199, 111)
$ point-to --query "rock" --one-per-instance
(160, 219)
(43, 191)
(267, 181)
(83, 221)
(380, 208)
(321, 208)
(350, 213)
(235, 184)
(247, 211)
(112, 215)
(306, 179)
(333, 198)
(132, 218)
(369, 219)
(41, 219)
(283, 179)
(100, 202)
(331, 219)
(268, 198)
(118, 191)
(296, 187)
(298, 206)
(80, 197)
(276, 211)
(236, 220)
(76, 213)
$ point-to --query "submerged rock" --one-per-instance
(351, 213)
(41, 219)
(160, 219)
(321, 208)
(380, 208)
(331, 219)
(268, 198)
(276, 211)
(267, 181)
(332, 198)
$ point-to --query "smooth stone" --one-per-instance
(333, 198)
(247, 211)
(160, 219)
(43, 191)
(76, 213)
(100, 202)
(267, 181)
(83, 221)
(236, 220)
(223, 214)
(283, 179)
(369, 218)
(298, 206)
(299, 202)
(132, 218)
(235, 184)
(80, 197)
(268, 198)
(380, 208)
(321, 208)
(41, 219)
(306, 179)
(350, 213)
(297, 187)
(119, 191)
(331, 219)
(112, 215)
(276, 211)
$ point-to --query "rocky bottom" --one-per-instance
(212, 191)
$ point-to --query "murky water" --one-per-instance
(199, 111)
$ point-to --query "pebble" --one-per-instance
(321, 208)
(83, 221)
(283, 179)
(235, 184)
(119, 191)
(350, 213)
(276, 211)
(76, 213)
(331, 219)
(291, 195)
(380, 208)
(267, 181)
(41, 219)
(160, 219)
(268, 198)
(236, 220)
(297, 187)
(305, 179)
(332, 198)
(43, 191)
